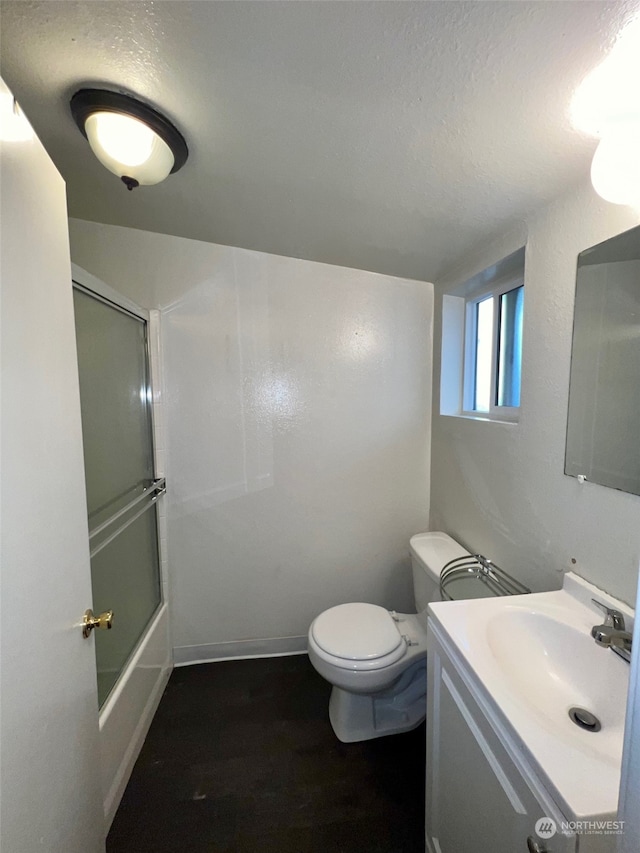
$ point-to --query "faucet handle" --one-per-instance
(614, 619)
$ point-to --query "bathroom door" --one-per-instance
(49, 784)
(115, 399)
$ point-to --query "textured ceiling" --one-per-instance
(390, 136)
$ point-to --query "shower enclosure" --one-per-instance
(122, 489)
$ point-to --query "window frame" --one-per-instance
(496, 289)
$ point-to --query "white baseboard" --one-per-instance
(240, 650)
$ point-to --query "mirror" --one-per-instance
(603, 428)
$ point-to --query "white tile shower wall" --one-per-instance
(501, 489)
(297, 402)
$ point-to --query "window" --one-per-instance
(482, 343)
(493, 351)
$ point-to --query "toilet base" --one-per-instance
(363, 716)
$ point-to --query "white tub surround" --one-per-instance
(297, 402)
(127, 714)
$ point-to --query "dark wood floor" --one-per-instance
(241, 758)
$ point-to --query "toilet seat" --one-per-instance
(357, 636)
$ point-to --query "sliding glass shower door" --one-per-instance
(122, 491)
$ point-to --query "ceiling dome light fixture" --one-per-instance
(607, 105)
(129, 138)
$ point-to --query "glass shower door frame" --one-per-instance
(145, 501)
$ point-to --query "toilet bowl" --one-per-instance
(376, 659)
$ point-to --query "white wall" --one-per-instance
(500, 488)
(297, 403)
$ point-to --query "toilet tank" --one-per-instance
(430, 552)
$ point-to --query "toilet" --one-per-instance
(376, 659)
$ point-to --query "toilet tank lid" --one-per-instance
(434, 550)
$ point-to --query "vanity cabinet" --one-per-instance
(480, 793)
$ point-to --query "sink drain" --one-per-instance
(585, 719)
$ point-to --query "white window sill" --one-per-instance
(469, 416)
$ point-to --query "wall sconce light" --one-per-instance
(607, 105)
(129, 138)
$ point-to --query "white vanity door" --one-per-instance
(477, 799)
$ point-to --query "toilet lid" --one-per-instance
(356, 632)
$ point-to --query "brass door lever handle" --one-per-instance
(89, 622)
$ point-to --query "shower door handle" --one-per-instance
(89, 622)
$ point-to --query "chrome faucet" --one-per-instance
(612, 632)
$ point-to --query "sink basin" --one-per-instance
(552, 666)
(534, 660)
